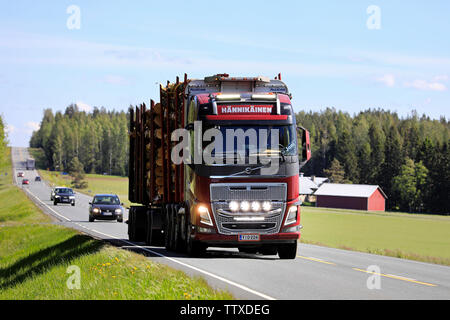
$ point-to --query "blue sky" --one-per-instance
(324, 50)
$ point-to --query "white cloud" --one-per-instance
(83, 106)
(388, 80)
(32, 126)
(425, 85)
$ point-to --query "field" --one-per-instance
(41, 260)
(413, 236)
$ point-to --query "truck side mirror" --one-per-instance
(306, 145)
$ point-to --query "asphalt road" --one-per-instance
(317, 273)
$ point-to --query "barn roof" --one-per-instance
(347, 190)
(307, 185)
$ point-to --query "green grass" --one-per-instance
(35, 255)
(413, 236)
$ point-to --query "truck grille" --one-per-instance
(248, 191)
(222, 194)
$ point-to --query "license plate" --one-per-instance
(249, 237)
(107, 213)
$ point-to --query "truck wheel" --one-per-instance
(193, 248)
(168, 227)
(136, 224)
(131, 227)
(178, 239)
(149, 233)
(288, 251)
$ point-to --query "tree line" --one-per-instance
(3, 141)
(409, 158)
(97, 140)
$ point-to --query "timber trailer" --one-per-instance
(196, 204)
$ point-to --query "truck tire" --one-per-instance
(169, 228)
(195, 249)
(131, 225)
(179, 243)
(137, 224)
(153, 236)
(288, 251)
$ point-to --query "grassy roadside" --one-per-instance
(35, 255)
(418, 237)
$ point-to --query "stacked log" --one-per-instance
(160, 120)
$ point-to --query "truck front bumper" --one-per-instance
(218, 240)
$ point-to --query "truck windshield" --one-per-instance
(245, 141)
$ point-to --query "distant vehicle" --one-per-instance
(106, 207)
(30, 164)
(20, 174)
(37, 178)
(25, 181)
(64, 195)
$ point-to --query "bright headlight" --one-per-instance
(267, 206)
(118, 211)
(256, 206)
(71, 197)
(203, 212)
(96, 210)
(292, 215)
(245, 205)
(233, 206)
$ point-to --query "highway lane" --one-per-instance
(317, 273)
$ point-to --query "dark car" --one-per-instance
(106, 207)
(25, 181)
(20, 174)
(64, 195)
(37, 178)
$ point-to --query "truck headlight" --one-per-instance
(245, 206)
(233, 206)
(256, 206)
(267, 206)
(291, 216)
(203, 212)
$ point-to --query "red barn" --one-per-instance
(351, 196)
